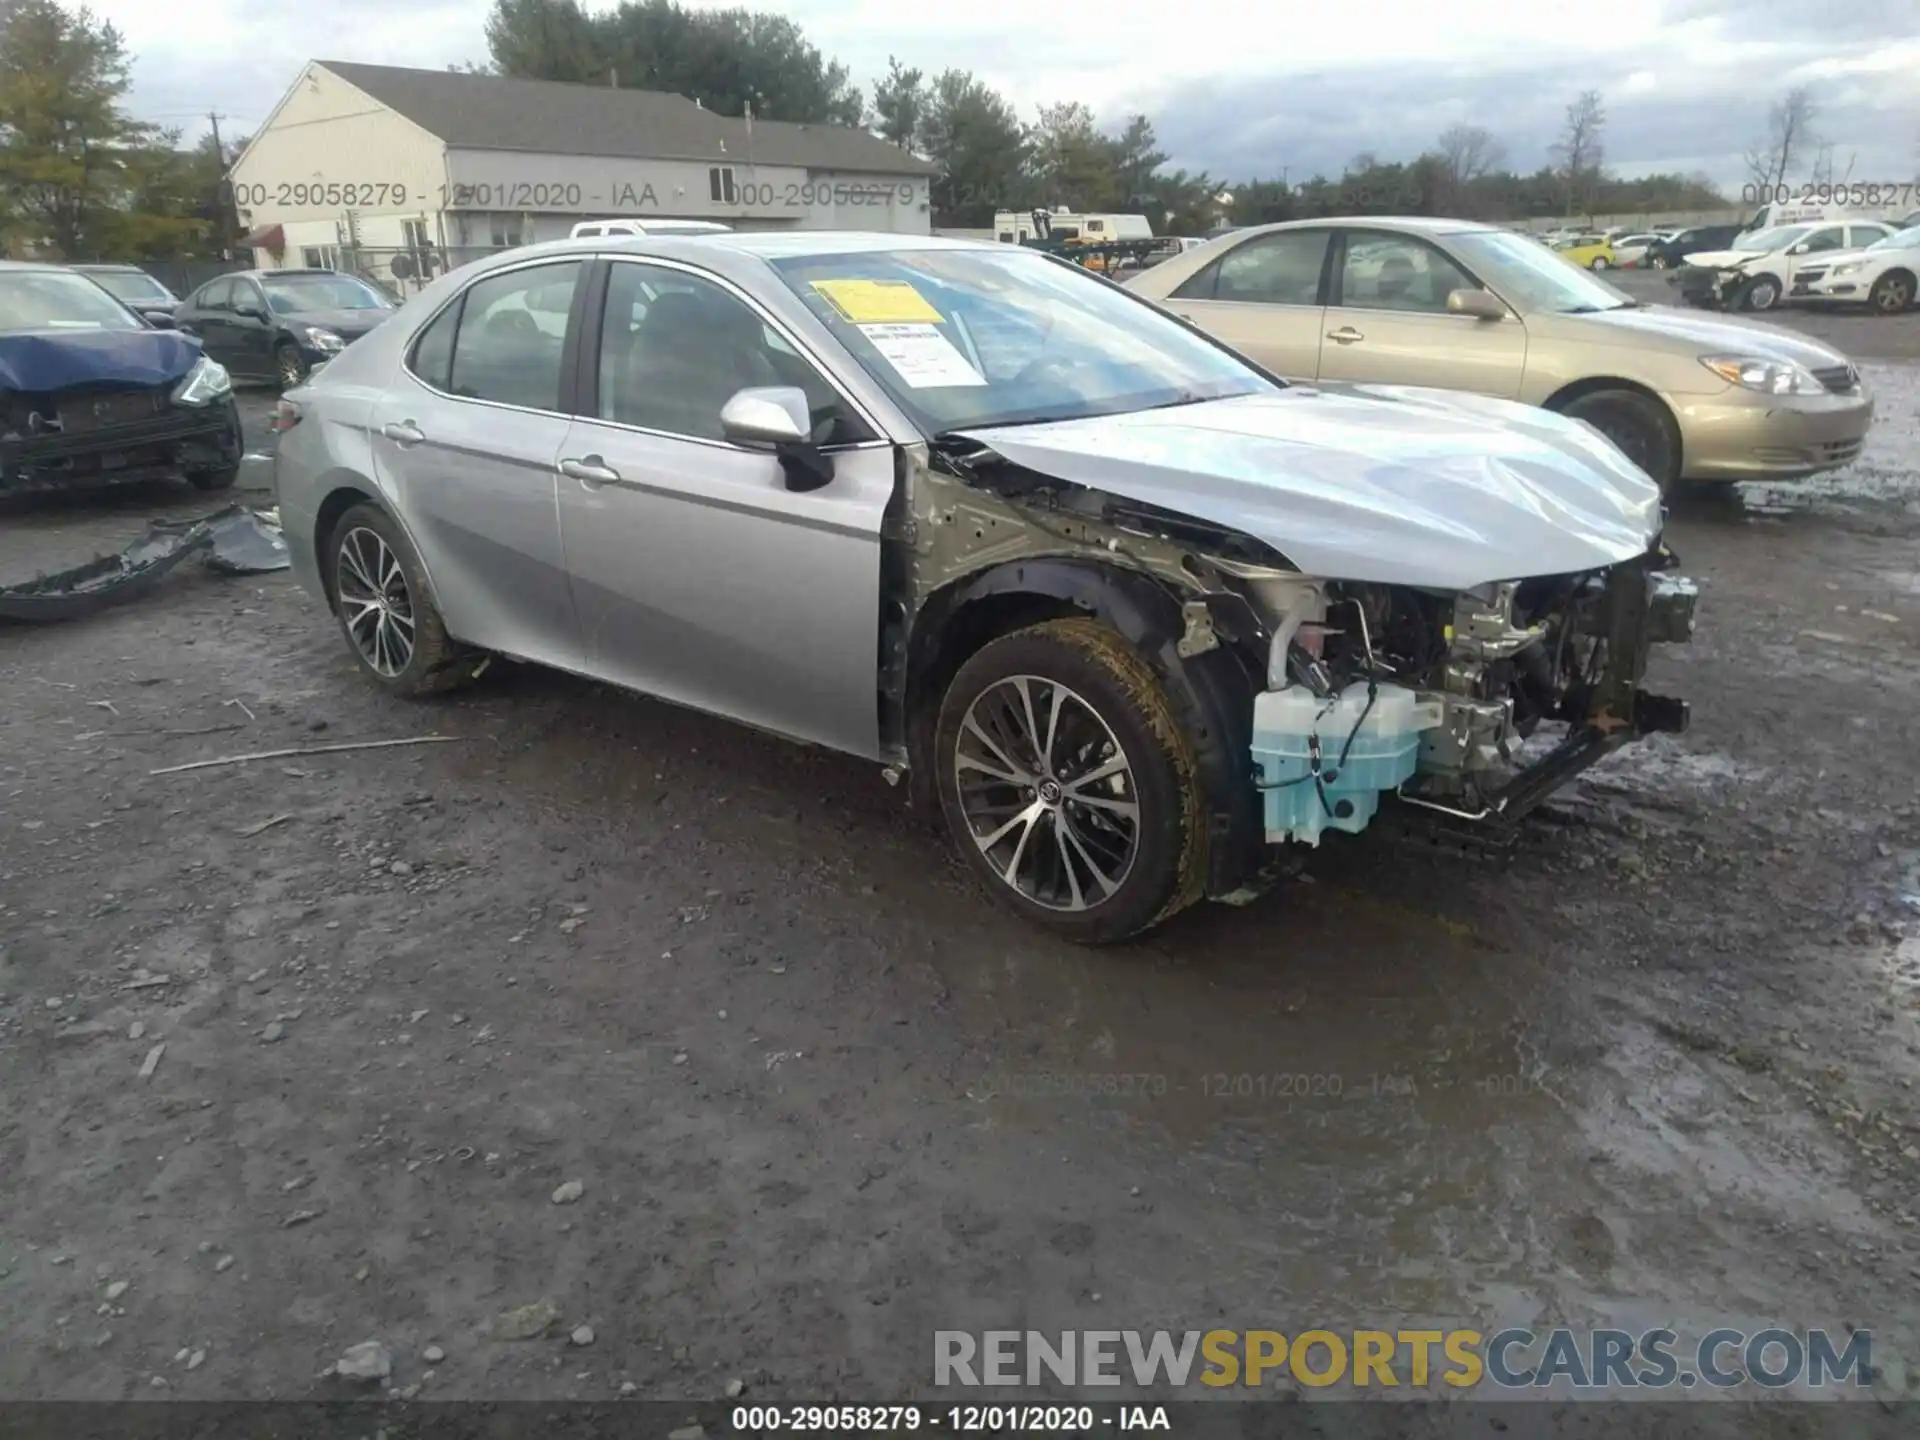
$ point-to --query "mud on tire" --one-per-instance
(368, 561)
(1065, 724)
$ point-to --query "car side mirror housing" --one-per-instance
(1798, 250)
(779, 416)
(1480, 304)
(767, 415)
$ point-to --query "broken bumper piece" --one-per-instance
(235, 541)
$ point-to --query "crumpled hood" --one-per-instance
(1720, 259)
(43, 360)
(1712, 334)
(1377, 483)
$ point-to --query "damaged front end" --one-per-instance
(73, 416)
(1476, 704)
(1313, 700)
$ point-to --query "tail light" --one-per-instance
(286, 415)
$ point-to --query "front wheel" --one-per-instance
(385, 609)
(1069, 784)
(1760, 293)
(1891, 293)
(289, 366)
(220, 479)
(1600, 262)
(1639, 427)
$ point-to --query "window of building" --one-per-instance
(506, 232)
(320, 257)
(720, 185)
(511, 336)
(416, 233)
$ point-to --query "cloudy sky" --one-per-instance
(1240, 90)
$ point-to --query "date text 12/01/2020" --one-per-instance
(570, 195)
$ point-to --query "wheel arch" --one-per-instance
(1587, 385)
(1212, 693)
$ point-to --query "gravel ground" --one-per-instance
(301, 1054)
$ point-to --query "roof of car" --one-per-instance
(1410, 224)
(116, 269)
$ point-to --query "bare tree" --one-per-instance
(1466, 153)
(1582, 145)
(1789, 135)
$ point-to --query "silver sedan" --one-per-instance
(1125, 607)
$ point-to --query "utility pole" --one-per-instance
(224, 216)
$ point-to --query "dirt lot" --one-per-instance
(821, 1100)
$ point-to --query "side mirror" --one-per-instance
(1799, 249)
(767, 415)
(1480, 304)
(778, 415)
(249, 312)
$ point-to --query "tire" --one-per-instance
(1599, 262)
(1759, 294)
(1638, 425)
(1891, 293)
(221, 479)
(368, 553)
(289, 366)
(1080, 868)
(1660, 262)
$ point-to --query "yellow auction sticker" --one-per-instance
(878, 302)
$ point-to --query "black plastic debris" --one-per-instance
(234, 541)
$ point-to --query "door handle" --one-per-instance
(403, 432)
(1345, 335)
(591, 469)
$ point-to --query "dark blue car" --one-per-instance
(90, 393)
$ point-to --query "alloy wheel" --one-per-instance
(1892, 295)
(375, 602)
(1048, 793)
(292, 368)
(1763, 294)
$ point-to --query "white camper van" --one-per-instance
(1016, 227)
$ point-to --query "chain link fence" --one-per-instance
(401, 271)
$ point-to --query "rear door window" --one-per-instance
(511, 337)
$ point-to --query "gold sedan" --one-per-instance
(1456, 305)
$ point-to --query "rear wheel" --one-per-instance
(1638, 426)
(1891, 293)
(385, 610)
(1600, 262)
(1068, 784)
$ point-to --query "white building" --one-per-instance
(397, 172)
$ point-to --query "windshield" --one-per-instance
(1765, 242)
(964, 338)
(130, 285)
(290, 294)
(1532, 278)
(1907, 239)
(59, 300)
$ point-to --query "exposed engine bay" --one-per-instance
(1362, 689)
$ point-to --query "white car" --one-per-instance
(1760, 268)
(1630, 250)
(1882, 277)
(596, 228)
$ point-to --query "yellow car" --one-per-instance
(1589, 252)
